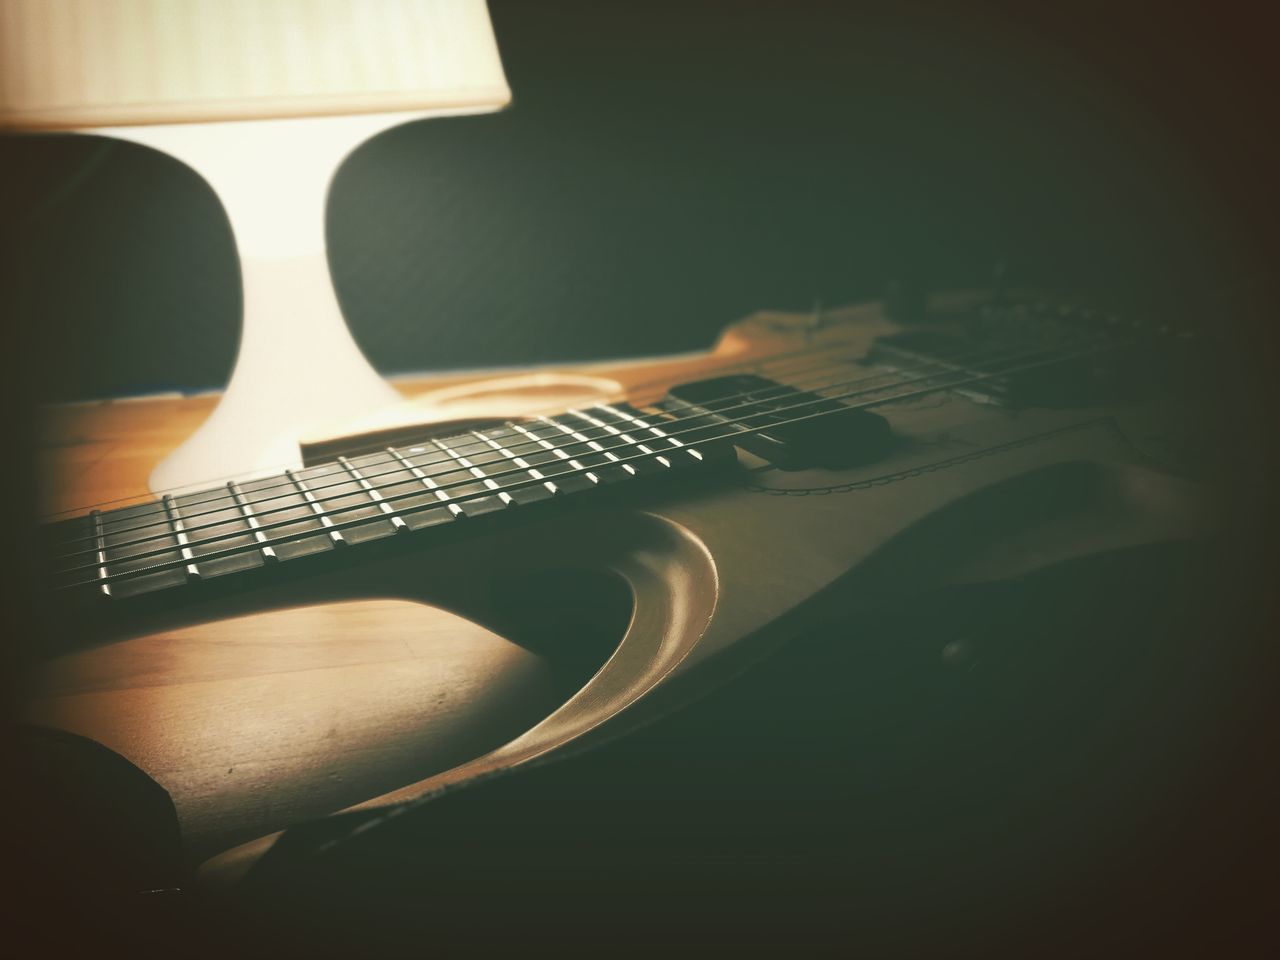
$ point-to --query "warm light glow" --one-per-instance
(90, 63)
(263, 98)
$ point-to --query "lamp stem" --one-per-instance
(297, 367)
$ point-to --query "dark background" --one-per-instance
(668, 168)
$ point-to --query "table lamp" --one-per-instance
(264, 99)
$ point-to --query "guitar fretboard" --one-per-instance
(242, 526)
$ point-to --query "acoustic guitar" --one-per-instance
(505, 570)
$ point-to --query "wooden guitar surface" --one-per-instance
(388, 682)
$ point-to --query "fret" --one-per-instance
(122, 555)
(137, 517)
(545, 457)
(175, 521)
(656, 431)
(317, 509)
(100, 546)
(199, 536)
(347, 500)
(222, 540)
(430, 484)
(403, 487)
(625, 437)
(582, 438)
(396, 522)
(246, 510)
(285, 517)
(519, 461)
(547, 445)
(474, 493)
(475, 471)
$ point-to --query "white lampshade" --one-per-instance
(105, 63)
(263, 98)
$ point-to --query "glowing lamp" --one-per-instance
(264, 99)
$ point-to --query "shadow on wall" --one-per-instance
(659, 175)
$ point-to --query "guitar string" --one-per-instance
(100, 579)
(345, 480)
(103, 578)
(159, 516)
(166, 535)
(758, 365)
(217, 485)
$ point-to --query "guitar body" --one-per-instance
(377, 683)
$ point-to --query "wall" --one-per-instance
(667, 168)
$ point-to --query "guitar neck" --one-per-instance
(434, 484)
